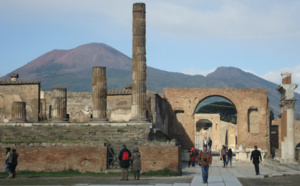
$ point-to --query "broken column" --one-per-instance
(59, 105)
(138, 108)
(99, 94)
(18, 112)
(14, 77)
(286, 90)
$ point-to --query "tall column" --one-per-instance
(43, 110)
(59, 105)
(138, 108)
(18, 112)
(287, 118)
(99, 94)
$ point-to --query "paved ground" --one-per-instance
(239, 174)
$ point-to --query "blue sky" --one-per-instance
(191, 36)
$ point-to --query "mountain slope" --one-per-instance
(72, 69)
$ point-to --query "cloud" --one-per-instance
(195, 18)
(275, 76)
(194, 71)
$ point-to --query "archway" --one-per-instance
(222, 114)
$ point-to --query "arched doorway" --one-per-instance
(222, 114)
(203, 132)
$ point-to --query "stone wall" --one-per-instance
(185, 101)
(26, 91)
(47, 158)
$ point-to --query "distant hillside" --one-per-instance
(72, 69)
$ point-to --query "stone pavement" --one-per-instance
(219, 176)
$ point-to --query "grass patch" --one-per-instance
(64, 173)
(163, 172)
(121, 130)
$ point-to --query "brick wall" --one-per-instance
(82, 158)
(160, 157)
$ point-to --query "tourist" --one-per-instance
(223, 155)
(124, 157)
(14, 162)
(209, 143)
(204, 158)
(256, 159)
(136, 163)
(229, 157)
(8, 161)
(193, 155)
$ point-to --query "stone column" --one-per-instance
(287, 118)
(14, 77)
(138, 108)
(18, 112)
(43, 109)
(59, 105)
(99, 94)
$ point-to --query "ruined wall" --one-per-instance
(243, 99)
(47, 158)
(160, 157)
(160, 113)
(26, 91)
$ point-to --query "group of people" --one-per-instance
(204, 158)
(126, 158)
(11, 162)
(226, 156)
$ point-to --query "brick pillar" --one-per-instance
(138, 108)
(18, 112)
(99, 94)
(287, 118)
(59, 105)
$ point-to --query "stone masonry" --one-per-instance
(99, 91)
(138, 108)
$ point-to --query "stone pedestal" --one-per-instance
(138, 108)
(287, 138)
(99, 94)
(59, 105)
(18, 112)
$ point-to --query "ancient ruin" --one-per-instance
(97, 123)
(138, 108)
(287, 129)
(99, 93)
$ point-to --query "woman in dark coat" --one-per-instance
(124, 163)
(136, 163)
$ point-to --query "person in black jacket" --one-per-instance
(14, 162)
(229, 157)
(256, 159)
(124, 158)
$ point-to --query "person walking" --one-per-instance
(193, 155)
(136, 163)
(223, 155)
(204, 159)
(8, 161)
(209, 143)
(14, 163)
(229, 157)
(256, 159)
(124, 157)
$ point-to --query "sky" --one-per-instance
(191, 36)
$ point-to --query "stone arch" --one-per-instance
(222, 97)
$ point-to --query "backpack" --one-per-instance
(125, 155)
(9, 159)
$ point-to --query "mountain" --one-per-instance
(72, 69)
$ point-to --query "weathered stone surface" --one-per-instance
(138, 107)
(188, 98)
(18, 112)
(99, 94)
(26, 91)
(59, 105)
